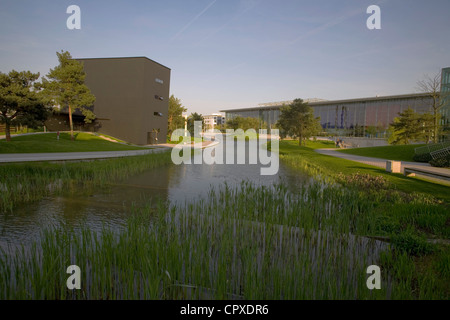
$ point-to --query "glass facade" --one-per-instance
(356, 117)
(445, 95)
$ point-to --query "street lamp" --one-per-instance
(185, 124)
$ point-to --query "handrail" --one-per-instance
(440, 153)
(432, 147)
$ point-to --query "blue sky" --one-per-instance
(237, 53)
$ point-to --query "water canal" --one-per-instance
(294, 241)
(111, 205)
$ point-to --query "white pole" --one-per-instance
(185, 124)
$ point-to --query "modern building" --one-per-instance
(132, 100)
(445, 94)
(356, 117)
(349, 116)
(210, 121)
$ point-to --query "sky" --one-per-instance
(226, 54)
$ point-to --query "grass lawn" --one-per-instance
(333, 166)
(41, 143)
(403, 211)
(400, 153)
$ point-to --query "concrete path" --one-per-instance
(381, 163)
(67, 156)
(377, 162)
(22, 134)
(63, 156)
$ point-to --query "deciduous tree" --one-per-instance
(175, 118)
(243, 123)
(191, 122)
(297, 120)
(432, 86)
(20, 102)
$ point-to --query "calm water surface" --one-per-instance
(111, 205)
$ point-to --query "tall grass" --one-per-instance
(245, 243)
(32, 181)
(413, 222)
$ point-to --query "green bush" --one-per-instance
(442, 263)
(441, 163)
(411, 243)
(423, 157)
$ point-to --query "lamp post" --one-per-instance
(185, 124)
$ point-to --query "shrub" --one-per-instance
(411, 243)
(423, 157)
(364, 182)
(441, 162)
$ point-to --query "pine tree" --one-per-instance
(65, 88)
(411, 126)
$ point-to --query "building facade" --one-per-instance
(354, 117)
(211, 121)
(132, 100)
(445, 94)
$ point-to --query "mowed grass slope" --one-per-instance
(331, 166)
(47, 142)
(399, 153)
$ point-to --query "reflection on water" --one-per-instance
(110, 205)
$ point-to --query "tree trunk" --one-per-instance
(8, 131)
(436, 127)
(70, 123)
(436, 123)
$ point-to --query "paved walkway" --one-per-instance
(21, 134)
(381, 163)
(67, 156)
(63, 156)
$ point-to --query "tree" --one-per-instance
(20, 102)
(358, 131)
(66, 88)
(175, 118)
(432, 86)
(411, 126)
(243, 123)
(297, 120)
(373, 131)
(190, 122)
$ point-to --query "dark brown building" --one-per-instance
(132, 99)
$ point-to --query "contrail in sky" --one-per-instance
(193, 20)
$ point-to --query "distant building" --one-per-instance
(211, 121)
(445, 92)
(355, 117)
(132, 100)
(346, 117)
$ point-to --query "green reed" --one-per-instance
(32, 181)
(239, 243)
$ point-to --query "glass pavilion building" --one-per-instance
(357, 117)
(351, 117)
(445, 94)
